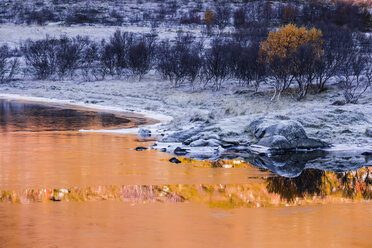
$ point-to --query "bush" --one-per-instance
(284, 53)
(217, 62)
(239, 18)
(40, 55)
(222, 17)
(116, 51)
(8, 66)
(68, 52)
(248, 69)
(141, 55)
(179, 62)
(356, 76)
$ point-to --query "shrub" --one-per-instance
(248, 69)
(281, 52)
(8, 66)
(209, 18)
(40, 55)
(68, 54)
(140, 56)
(222, 17)
(356, 76)
(179, 62)
(239, 18)
(217, 62)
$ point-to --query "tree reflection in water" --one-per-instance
(310, 182)
(311, 187)
(354, 185)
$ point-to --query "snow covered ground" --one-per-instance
(230, 110)
(13, 34)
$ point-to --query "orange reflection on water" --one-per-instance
(65, 159)
(118, 224)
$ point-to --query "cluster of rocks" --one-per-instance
(280, 145)
(261, 135)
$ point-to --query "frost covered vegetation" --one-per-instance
(201, 62)
(292, 59)
(239, 41)
(222, 13)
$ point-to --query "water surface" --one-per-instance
(61, 187)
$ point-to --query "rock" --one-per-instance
(191, 139)
(275, 141)
(198, 143)
(283, 135)
(174, 160)
(310, 143)
(367, 153)
(369, 132)
(144, 133)
(141, 148)
(289, 129)
(180, 151)
(182, 135)
(213, 142)
(339, 103)
(346, 131)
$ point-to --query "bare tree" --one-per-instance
(179, 62)
(356, 76)
(217, 61)
(40, 55)
(69, 54)
(141, 56)
(8, 66)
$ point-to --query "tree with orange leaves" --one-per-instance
(284, 53)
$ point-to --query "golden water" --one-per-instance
(110, 195)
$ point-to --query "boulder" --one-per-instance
(275, 141)
(182, 135)
(283, 135)
(174, 160)
(144, 133)
(200, 142)
(180, 151)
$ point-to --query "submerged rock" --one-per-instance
(141, 148)
(283, 135)
(174, 160)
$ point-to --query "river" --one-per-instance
(60, 187)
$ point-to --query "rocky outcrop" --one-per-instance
(283, 135)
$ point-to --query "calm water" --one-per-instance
(60, 187)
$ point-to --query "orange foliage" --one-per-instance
(209, 17)
(287, 40)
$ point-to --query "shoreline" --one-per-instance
(153, 119)
(208, 116)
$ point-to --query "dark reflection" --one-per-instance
(313, 182)
(293, 164)
(310, 182)
(18, 116)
